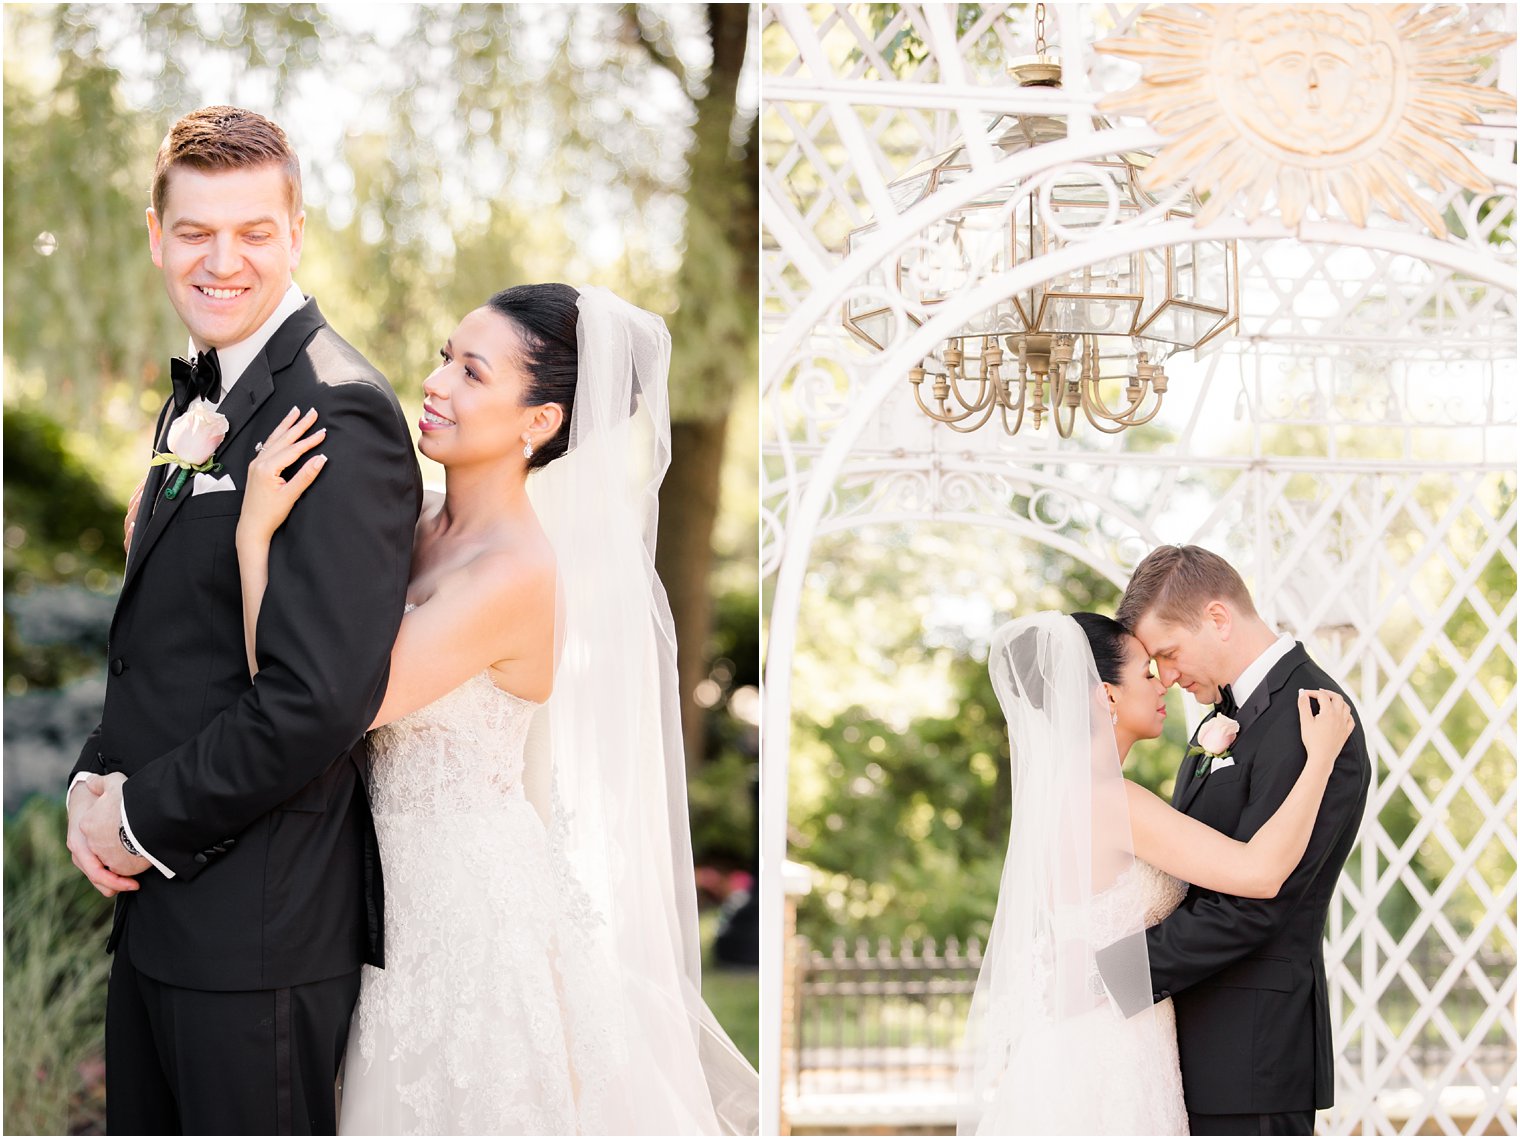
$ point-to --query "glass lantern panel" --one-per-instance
(1083, 313)
(1100, 298)
(1182, 324)
(1200, 274)
(867, 313)
(874, 328)
(1189, 291)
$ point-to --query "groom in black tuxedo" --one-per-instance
(1246, 976)
(229, 818)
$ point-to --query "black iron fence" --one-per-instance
(879, 1017)
(884, 1019)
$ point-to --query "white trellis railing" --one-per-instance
(1352, 448)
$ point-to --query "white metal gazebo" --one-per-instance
(1368, 399)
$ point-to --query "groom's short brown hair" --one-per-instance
(225, 138)
(1175, 582)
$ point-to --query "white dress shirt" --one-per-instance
(1257, 670)
(233, 360)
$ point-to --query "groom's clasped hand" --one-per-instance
(94, 836)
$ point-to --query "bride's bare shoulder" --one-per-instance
(508, 576)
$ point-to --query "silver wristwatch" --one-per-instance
(126, 842)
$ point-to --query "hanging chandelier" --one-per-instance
(1091, 342)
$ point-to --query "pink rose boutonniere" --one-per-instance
(1215, 739)
(193, 440)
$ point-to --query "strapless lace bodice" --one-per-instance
(453, 756)
(1155, 893)
(1159, 892)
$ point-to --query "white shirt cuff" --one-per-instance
(157, 865)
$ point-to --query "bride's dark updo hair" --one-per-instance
(545, 316)
(1106, 637)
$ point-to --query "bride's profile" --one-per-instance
(528, 787)
(1094, 859)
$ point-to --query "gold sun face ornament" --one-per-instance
(1311, 101)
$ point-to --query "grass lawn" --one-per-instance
(732, 994)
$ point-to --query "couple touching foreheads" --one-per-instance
(483, 912)
(1154, 968)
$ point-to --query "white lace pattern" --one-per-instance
(489, 1016)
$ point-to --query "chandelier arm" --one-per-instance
(981, 394)
(939, 416)
(1064, 431)
(1091, 393)
(1121, 420)
(1114, 430)
(1132, 421)
(1018, 421)
(986, 414)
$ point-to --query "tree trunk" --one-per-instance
(714, 333)
(684, 559)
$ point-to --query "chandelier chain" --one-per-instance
(1039, 29)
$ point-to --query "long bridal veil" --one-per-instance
(1041, 1011)
(611, 736)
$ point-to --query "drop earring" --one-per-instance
(1114, 716)
(527, 446)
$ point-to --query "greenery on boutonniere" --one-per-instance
(193, 439)
(1215, 738)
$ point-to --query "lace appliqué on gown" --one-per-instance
(1044, 1093)
(489, 1017)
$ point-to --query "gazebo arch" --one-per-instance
(842, 117)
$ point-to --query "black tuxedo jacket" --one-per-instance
(1247, 976)
(254, 793)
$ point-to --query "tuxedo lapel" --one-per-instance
(1262, 697)
(153, 486)
(257, 383)
(1184, 776)
(1187, 784)
(248, 394)
(1195, 784)
(1248, 714)
(254, 387)
(160, 510)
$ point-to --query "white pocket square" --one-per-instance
(205, 484)
(1221, 761)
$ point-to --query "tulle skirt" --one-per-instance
(1093, 1075)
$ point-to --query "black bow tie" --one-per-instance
(200, 380)
(1226, 705)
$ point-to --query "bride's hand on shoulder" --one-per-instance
(269, 495)
(1326, 732)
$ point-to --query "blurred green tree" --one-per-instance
(607, 144)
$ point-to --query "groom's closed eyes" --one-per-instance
(190, 229)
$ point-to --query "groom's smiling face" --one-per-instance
(227, 245)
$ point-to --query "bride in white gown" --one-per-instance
(527, 785)
(1093, 860)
